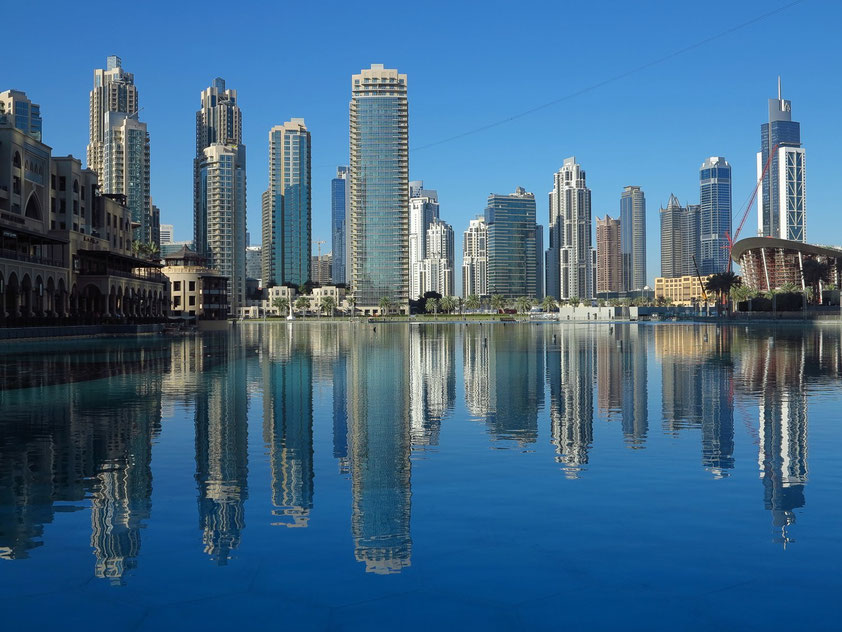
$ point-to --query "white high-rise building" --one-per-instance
(166, 233)
(437, 267)
(423, 209)
(570, 255)
(114, 91)
(475, 258)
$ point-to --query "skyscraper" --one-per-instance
(633, 238)
(423, 209)
(379, 231)
(783, 205)
(715, 214)
(539, 262)
(679, 239)
(118, 150)
(475, 258)
(511, 243)
(287, 229)
(609, 255)
(570, 252)
(220, 187)
(436, 274)
(339, 198)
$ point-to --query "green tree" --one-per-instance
(549, 304)
(498, 302)
(721, 284)
(523, 304)
(815, 273)
(460, 303)
(327, 304)
(574, 301)
(432, 305)
(282, 305)
(473, 303)
(353, 303)
(448, 304)
(301, 304)
(386, 305)
(600, 302)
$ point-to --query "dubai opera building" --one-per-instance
(768, 263)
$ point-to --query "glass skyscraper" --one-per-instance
(339, 217)
(287, 225)
(511, 244)
(633, 238)
(782, 206)
(715, 214)
(379, 218)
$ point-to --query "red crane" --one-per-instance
(748, 206)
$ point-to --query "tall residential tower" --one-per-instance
(633, 238)
(339, 198)
(379, 219)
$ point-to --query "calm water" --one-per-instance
(327, 476)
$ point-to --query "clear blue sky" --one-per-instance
(468, 65)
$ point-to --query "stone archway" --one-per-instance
(25, 302)
(50, 300)
(38, 297)
(61, 299)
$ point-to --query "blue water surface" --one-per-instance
(330, 476)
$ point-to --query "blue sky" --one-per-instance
(468, 65)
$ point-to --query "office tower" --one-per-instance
(166, 232)
(219, 183)
(26, 115)
(571, 248)
(475, 258)
(118, 150)
(321, 268)
(379, 231)
(511, 244)
(286, 229)
(254, 261)
(714, 215)
(339, 198)
(609, 255)
(679, 239)
(436, 270)
(539, 262)
(782, 207)
(423, 209)
(633, 238)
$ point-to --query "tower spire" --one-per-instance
(779, 87)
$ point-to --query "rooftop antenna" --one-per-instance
(779, 87)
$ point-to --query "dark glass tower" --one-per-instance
(338, 217)
(511, 244)
(715, 214)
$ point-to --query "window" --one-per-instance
(192, 300)
(176, 286)
(176, 301)
(192, 286)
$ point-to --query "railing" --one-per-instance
(19, 256)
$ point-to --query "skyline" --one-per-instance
(653, 128)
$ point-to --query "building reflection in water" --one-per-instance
(221, 424)
(432, 381)
(570, 373)
(288, 422)
(379, 448)
(622, 379)
(698, 384)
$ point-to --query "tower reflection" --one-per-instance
(432, 382)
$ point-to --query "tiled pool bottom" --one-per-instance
(485, 477)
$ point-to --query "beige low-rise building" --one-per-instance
(682, 291)
(195, 290)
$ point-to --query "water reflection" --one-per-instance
(79, 428)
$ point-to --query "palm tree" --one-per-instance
(301, 304)
(281, 304)
(498, 302)
(574, 301)
(548, 304)
(523, 304)
(386, 305)
(448, 304)
(432, 305)
(460, 303)
(473, 302)
(722, 283)
(353, 303)
(815, 273)
(328, 304)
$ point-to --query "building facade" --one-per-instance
(783, 200)
(714, 215)
(609, 255)
(219, 188)
(287, 228)
(633, 238)
(768, 263)
(683, 291)
(113, 91)
(339, 198)
(539, 262)
(680, 242)
(195, 290)
(322, 267)
(511, 244)
(436, 270)
(379, 218)
(571, 246)
(423, 210)
(475, 258)
(254, 262)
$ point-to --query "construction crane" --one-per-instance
(751, 200)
